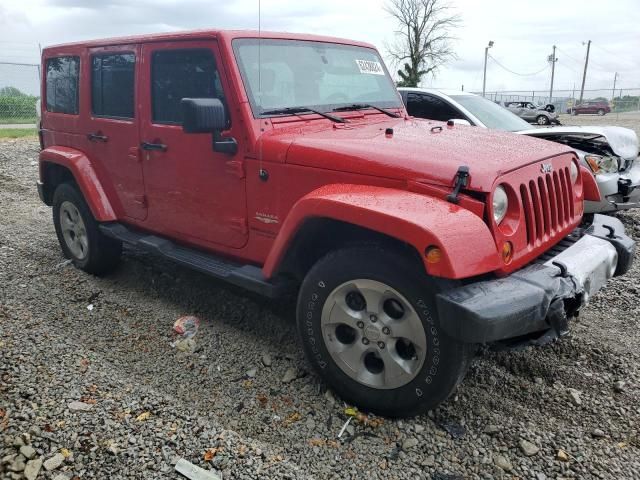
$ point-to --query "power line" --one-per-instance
(516, 73)
(568, 67)
(569, 56)
(604, 50)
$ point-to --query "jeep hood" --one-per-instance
(623, 141)
(418, 150)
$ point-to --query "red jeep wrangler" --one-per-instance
(282, 160)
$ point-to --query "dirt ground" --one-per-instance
(91, 383)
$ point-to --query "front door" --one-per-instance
(112, 135)
(193, 193)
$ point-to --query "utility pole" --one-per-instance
(584, 75)
(553, 60)
(613, 90)
(484, 75)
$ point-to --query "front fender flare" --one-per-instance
(85, 176)
(468, 246)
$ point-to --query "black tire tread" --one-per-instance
(458, 355)
(104, 252)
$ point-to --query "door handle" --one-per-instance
(153, 146)
(97, 137)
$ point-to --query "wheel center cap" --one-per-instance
(372, 333)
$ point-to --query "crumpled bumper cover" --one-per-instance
(518, 305)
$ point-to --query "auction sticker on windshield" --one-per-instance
(370, 66)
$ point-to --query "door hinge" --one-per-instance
(235, 167)
(239, 224)
(141, 199)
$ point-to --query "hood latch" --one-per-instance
(461, 180)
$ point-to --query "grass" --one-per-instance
(17, 120)
(17, 132)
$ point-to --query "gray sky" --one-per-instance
(523, 32)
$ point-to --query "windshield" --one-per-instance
(292, 73)
(491, 114)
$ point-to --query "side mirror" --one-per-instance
(460, 121)
(203, 115)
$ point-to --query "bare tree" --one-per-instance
(423, 39)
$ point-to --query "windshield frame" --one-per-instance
(482, 121)
(258, 110)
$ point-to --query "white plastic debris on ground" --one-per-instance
(193, 472)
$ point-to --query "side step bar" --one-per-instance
(245, 276)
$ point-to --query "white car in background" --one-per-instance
(609, 152)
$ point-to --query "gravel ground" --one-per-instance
(627, 119)
(100, 392)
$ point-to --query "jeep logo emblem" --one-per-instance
(546, 168)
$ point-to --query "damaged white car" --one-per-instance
(609, 152)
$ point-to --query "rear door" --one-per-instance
(112, 135)
(194, 193)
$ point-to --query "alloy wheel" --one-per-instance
(373, 334)
(74, 231)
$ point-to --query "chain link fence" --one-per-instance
(19, 93)
(620, 100)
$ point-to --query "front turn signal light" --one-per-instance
(433, 255)
(507, 252)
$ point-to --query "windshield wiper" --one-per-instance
(361, 106)
(294, 110)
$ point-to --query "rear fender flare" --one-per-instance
(417, 220)
(84, 175)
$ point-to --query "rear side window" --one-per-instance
(112, 85)
(178, 74)
(426, 106)
(62, 84)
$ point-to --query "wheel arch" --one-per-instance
(318, 236)
(338, 215)
(64, 164)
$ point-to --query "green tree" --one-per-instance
(10, 92)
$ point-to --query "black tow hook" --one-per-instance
(611, 230)
(461, 180)
(563, 269)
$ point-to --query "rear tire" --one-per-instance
(601, 112)
(79, 235)
(369, 326)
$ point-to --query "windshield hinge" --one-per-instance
(461, 180)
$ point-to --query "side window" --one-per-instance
(426, 106)
(178, 74)
(62, 84)
(112, 85)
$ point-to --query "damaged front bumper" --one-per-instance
(539, 297)
(619, 191)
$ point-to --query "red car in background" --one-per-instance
(599, 107)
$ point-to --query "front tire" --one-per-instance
(79, 235)
(601, 112)
(542, 120)
(369, 326)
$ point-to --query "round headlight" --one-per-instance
(573, 172)
(500, 204)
